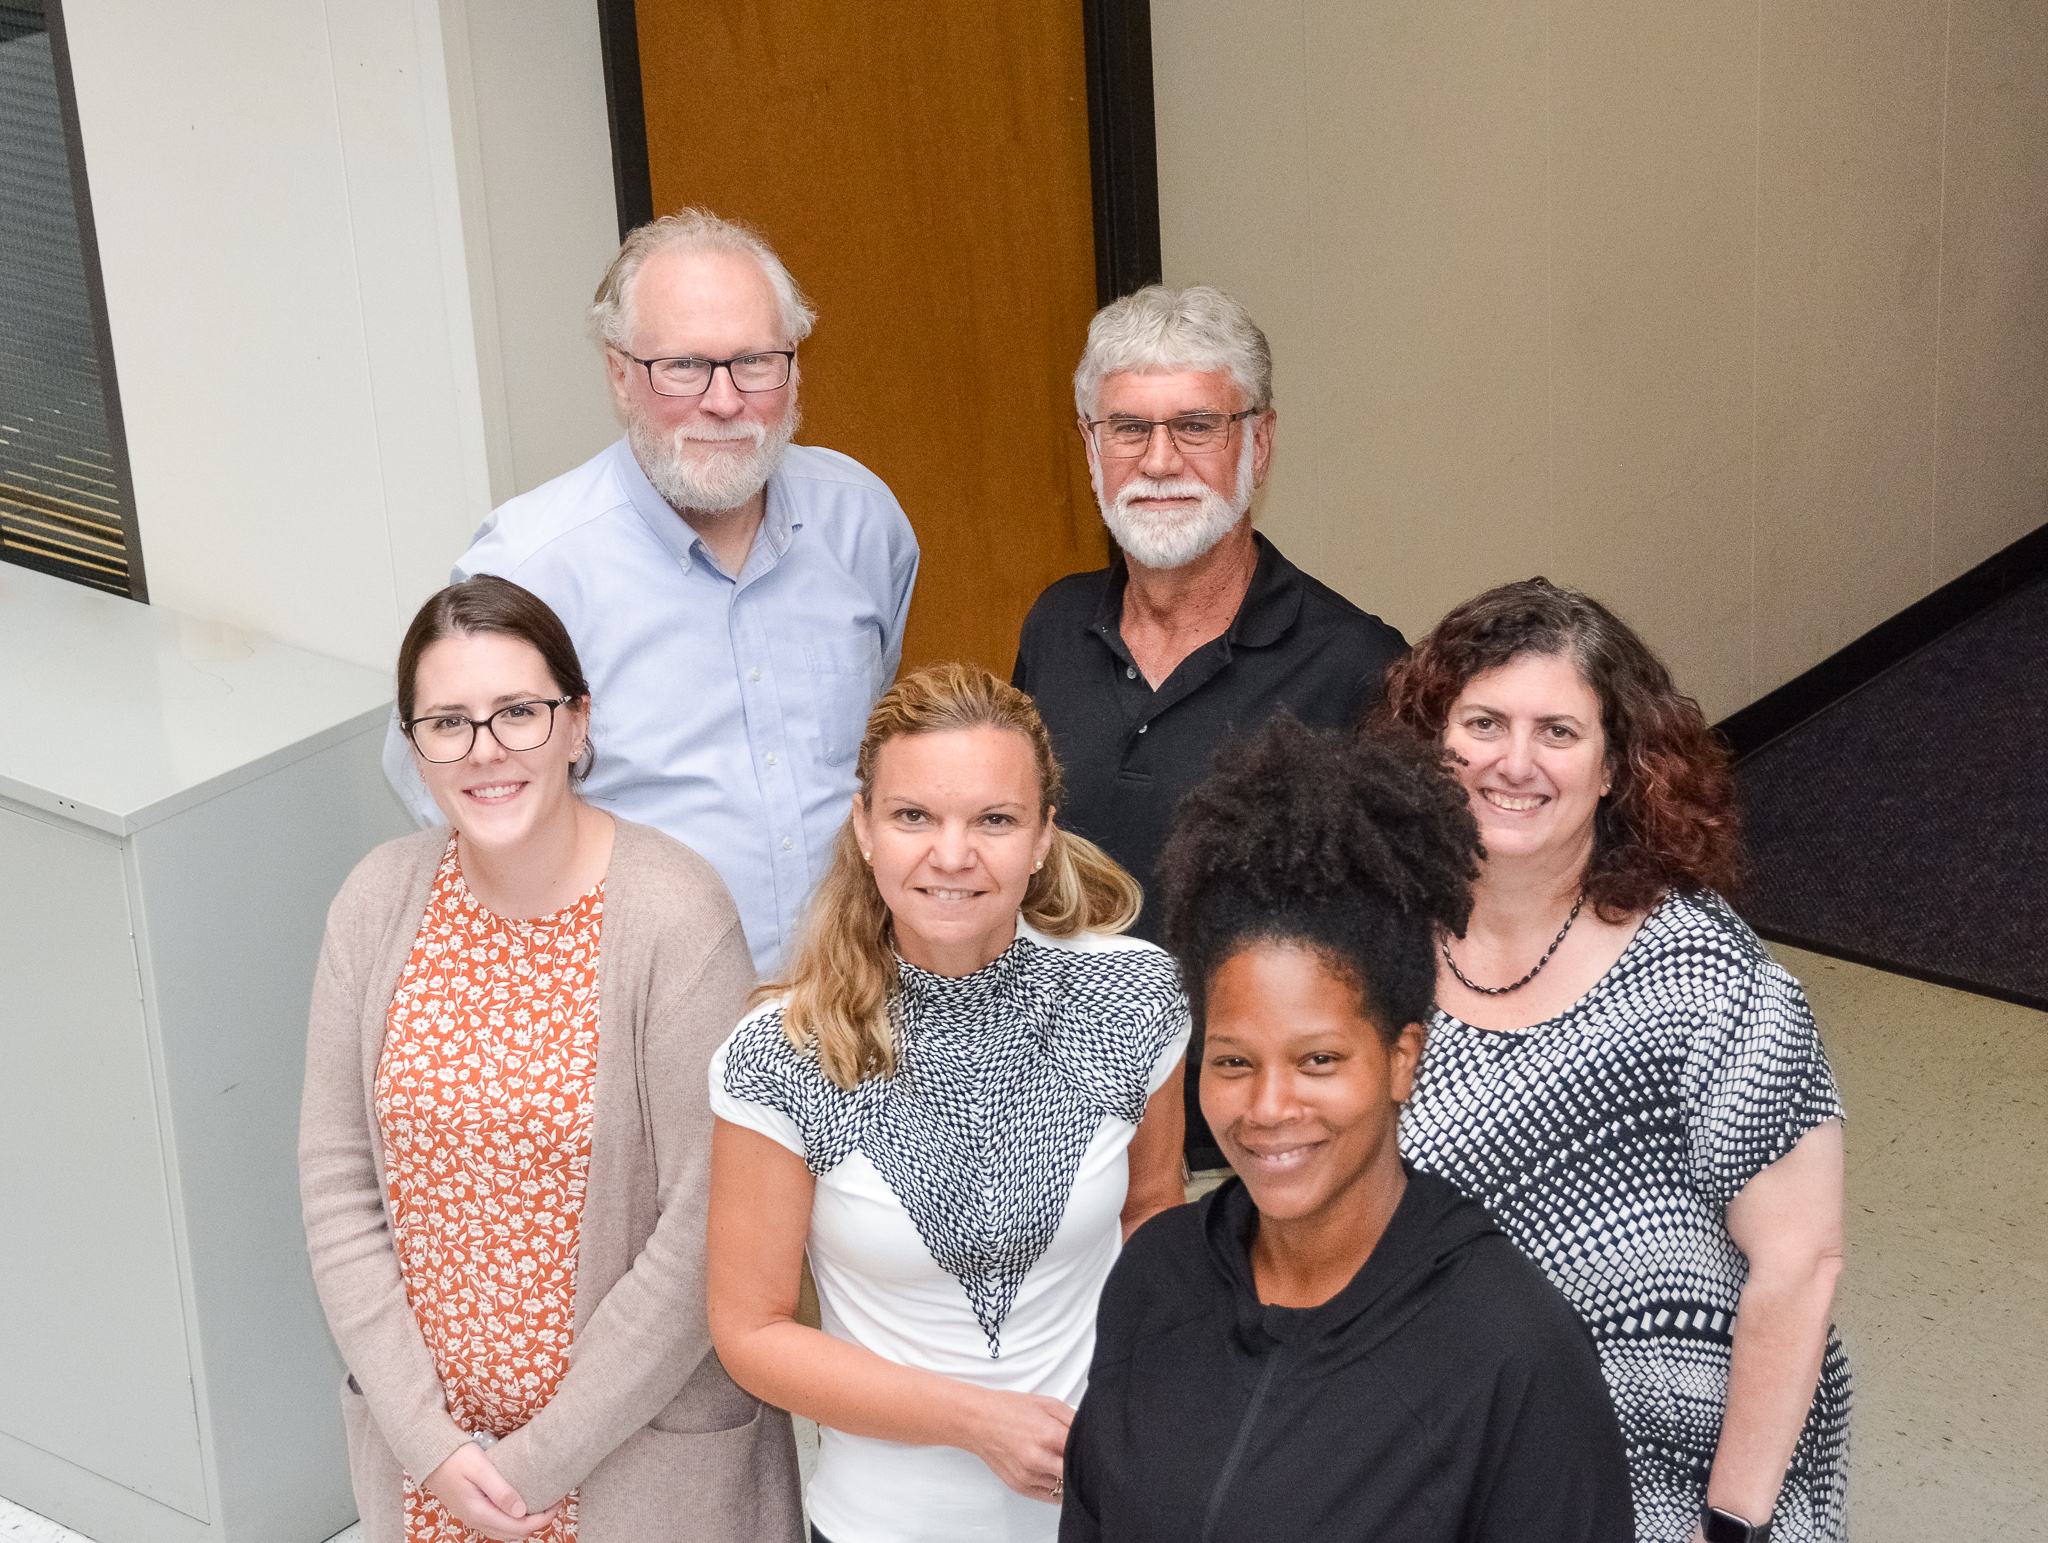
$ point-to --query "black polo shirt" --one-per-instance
(1130, 753)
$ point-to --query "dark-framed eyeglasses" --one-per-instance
(1124, 439)
(445, 737)
(690, 376)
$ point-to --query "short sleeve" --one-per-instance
(1757, 1079)
(1122, 1024)
(755, 1115)
(1178, 1026)
(761, 1081)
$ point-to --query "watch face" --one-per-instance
(1725, 1527)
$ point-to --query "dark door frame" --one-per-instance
(1123, 146)
(618, 37)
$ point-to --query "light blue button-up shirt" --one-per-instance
(725, 711)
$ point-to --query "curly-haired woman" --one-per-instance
(1330, 1347)
(961, 1101)
(1622, 1075)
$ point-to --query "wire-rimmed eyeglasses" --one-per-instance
(691, 376)
(444, 737)
(1124, 439)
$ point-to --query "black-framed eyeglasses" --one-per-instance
(1124, 439)
(445, 737)
(689, 376)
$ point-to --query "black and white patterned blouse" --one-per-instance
(1608, 1143)
(968, 1207)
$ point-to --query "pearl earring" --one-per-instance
(867, 857)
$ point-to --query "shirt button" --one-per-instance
(755, 674)
(771, 758)
(787, 843)
(1130, 672)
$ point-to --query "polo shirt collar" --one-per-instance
(1271, 601)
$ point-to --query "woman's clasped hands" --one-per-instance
(481, 1498)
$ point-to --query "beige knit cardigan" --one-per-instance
(646, 1424)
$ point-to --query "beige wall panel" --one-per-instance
(1231, 108)
(1426, 128)
(1992, 473)
(1653, 254)
(1733, 314)
(1849, 213)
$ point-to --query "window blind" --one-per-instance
(65, 505)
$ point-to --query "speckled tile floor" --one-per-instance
(1946, 1289)
(1947, 1286)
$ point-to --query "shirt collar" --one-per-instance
(778, 524)
(1271, 602)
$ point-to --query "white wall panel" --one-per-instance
(347, 248)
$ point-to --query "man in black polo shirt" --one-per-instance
(1199, 628)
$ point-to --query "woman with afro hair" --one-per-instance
(1330, 1346)
(1621, 1074)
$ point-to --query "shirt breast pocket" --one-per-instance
(842, 672)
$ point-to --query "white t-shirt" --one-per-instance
(967, 1208)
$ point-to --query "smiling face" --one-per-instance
(1532, 757)
(954, 830)
(1299, 1085)
(1163, 507)
(713, 451)
(497, 797)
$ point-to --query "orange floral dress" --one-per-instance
(484, 1102)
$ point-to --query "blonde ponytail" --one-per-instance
(839, 1000)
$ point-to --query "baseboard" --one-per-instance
(1885, 645)
(1893, 967)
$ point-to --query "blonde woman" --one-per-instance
(961, 1101)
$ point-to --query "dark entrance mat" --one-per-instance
(1906, 826)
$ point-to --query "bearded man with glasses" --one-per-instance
(1199, 629)
(738, 601)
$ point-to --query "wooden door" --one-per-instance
(923, 170)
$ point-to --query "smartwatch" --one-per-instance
(1720, 1526)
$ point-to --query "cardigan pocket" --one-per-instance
(710, 1402)
(738, 1485)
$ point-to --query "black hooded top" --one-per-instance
(1448, 1393)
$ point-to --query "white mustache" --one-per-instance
(753, 433)
(1146, 487)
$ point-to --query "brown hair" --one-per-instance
(1668, 822)
(486, 603)
(840, 995)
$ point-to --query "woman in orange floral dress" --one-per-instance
(505, 1139)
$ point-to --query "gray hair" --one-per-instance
(1160, 330)
(691, 230)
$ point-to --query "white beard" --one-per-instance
(714, 482)
(1159, 540)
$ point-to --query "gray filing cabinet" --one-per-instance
(178, 804)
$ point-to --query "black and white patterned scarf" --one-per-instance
(1002, 1079)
